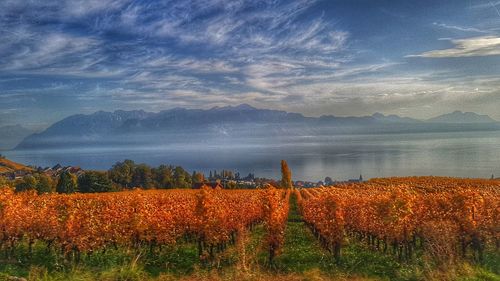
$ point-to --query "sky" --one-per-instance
(419, 58)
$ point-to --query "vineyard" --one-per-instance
(404, 221)
(444, 218)
(86, 223)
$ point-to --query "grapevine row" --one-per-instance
(276, 207)
(91, 222)
(444, 217)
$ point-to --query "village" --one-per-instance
(225, 179)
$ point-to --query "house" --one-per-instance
(309, 184)
(73, 170)
(212, 185)
(299, 184)
(9, 176)
(57, 167)
(357, 180)
(20, 174)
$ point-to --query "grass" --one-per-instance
(301, 251)
(302, 258)
(303, 254)
(179, 260)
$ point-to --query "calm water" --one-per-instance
(470, 154)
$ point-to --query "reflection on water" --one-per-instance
(471, 154)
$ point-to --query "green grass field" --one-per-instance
(301, 258)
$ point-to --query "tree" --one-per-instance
(94, 181)
(328, 181)
(45, 184)
(3, 182)
(28, 182)
(227, 174)
(122, 173)
(67, 183)
(142, 176)
(231, 185)
(182, 179)
(286, 175)
(163, 176)
(198, 177)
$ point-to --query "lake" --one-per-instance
(464, 154)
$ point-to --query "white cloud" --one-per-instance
(469, 47)
(202, 53)
(458, 28)
(189, 64)
(85, 7)
(25, 50)
(246, 27)
(416, 96)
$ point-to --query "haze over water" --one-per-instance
(465, 154)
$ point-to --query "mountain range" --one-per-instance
(139, 127)
(462, 117)
(10, 136)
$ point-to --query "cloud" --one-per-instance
(65, 10)
(86, 7)
(495, 7)
(458, 28)
(246, 27)
(489, 5)
(188, 38)
(294, 55)
(416, 96)
(26, 50)
(469, 47)
(281, 76)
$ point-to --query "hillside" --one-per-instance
(8, 166)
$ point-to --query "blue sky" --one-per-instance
(416, 58)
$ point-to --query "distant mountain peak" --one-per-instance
(120, 111)
(458, 116)
(245, 106)
(393, 118)
(240, 107)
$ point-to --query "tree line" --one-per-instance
(122, 175)
(128, 175)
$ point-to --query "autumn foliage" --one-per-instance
(446, 218)
(276, 207)
(84, 223)
(443, 218)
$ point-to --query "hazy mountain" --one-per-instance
(243, 121)
(94, 124)
(12, 135)
(462, 117)
(394, 118)
(181, 118)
